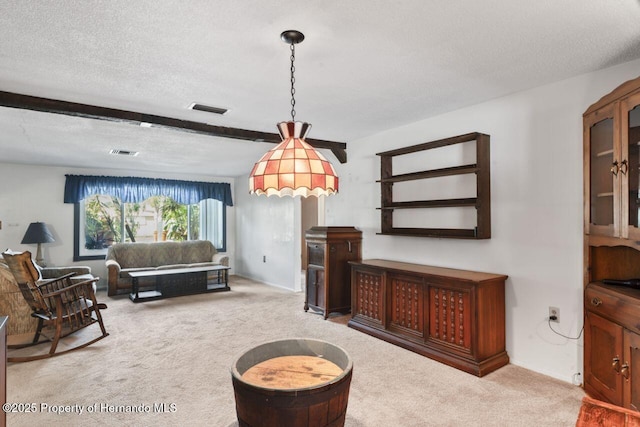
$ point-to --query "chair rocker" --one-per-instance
(60, 306)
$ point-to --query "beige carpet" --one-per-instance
(179, 351)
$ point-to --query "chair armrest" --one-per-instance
(54, 272)
(46, 293)
(114, 265)
(45, 282)
(221, 259)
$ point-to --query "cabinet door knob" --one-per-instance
(615, 167)
(625, 370)
(616, 364)
(596, 301)
(624, 166)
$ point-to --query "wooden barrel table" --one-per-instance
(292, 382)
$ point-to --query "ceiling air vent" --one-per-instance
(207, 108)
(124, 152)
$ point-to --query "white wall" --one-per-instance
(268, 237)
(536, 185)
(35, 193)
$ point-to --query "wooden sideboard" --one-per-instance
(453, 316)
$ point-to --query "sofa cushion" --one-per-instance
(197, 251)
(165, 253)
(130, 255)
(134, 255)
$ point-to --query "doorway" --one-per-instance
(309, 218)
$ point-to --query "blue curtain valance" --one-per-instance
(133, 189)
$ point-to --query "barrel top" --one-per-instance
(289, 372)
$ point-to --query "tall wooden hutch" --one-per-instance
(612, 246)
(329, 249)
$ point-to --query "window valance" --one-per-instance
(134, 189)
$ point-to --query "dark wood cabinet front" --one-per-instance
(611, 159)
(612, 344)
(632, 355)
(315, 286)
(603, 357)
(450, 317)
(328, 275)
(368, 296)
(407, 305)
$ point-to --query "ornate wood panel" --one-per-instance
(368, 301)
(450, 320)
(407, 304)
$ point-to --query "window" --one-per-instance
(147, 213)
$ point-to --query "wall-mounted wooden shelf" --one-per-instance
(481, 202)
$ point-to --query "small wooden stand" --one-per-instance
(329, 249)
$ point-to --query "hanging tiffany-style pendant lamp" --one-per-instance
(293, 167)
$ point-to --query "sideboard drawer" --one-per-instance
(614, 303)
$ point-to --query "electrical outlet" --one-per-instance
(555, 313)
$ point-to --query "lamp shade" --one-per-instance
(38, 233)
(293, 167)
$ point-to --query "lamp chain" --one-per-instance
(293, 80)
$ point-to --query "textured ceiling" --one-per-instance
(364, 67)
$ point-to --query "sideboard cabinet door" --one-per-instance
(603, 358)
(368, 302)
(315, 286)
(632, 357)
(407, 315)
(450, 317)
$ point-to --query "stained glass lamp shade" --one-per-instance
(293, 167)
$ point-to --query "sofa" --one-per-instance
(13, 304)
(123, 258)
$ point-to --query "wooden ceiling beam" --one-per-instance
(55, 106)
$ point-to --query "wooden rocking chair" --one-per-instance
(61, 306)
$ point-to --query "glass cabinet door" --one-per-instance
(630, 136)
(604, 167)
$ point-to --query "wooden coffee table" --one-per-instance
(172, 282)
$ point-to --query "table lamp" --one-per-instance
(38, 233)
